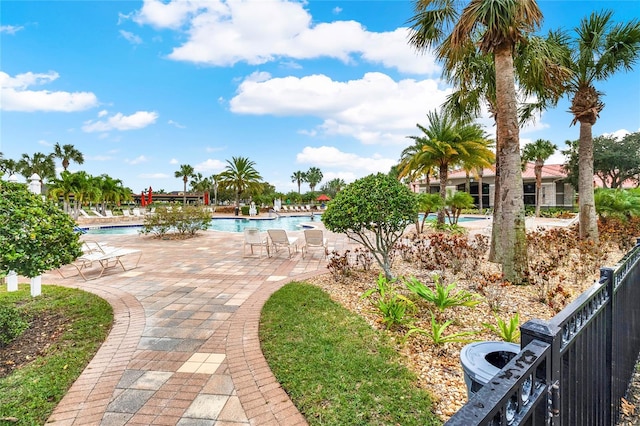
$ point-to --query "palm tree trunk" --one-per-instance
(480, 192)
(538, 172)
(444, 168)
(184, 193)
(586, 203)
(511, 247)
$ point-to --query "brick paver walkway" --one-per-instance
(184, 347)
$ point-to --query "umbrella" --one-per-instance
(206, 198)
(143, 200)
(323, 197)
(149, 200)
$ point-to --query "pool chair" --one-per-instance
(279, 238)
(253, 238)
(314, 238)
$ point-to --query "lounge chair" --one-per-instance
(102, 255)
(279, 238)
(126, 213)
(83, 213)
(109, 213)
(97, 213)
(314, 238)
(137, 213)
(253, 238)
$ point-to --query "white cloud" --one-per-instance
(176, 124)
(154, 176)
(130, 37)
(137, 120)
(328, 156)
(374, 109)
(618, 134)
(10, 29)
(336, 10)
(44, 143)
(223, 33)
(173, 161)
(137, 160)
(210, 165)
(103, 113)
(15, 96)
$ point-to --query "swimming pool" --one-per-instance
(288, 223)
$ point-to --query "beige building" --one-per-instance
(555, 191)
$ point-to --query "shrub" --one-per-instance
(373, 211)
(12, 324)
(187, 220)
(35, 236)
(442, 297)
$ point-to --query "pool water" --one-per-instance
(288, 223)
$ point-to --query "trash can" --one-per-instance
(483, 360)
(236, 210)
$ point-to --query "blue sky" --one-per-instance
(141, 87)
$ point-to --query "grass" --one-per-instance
(334, 366)
(31, 393)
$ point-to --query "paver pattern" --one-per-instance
(184, 348)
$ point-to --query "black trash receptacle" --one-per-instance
(236, 210)
(483, 360)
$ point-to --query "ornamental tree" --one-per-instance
(35, 235)
(373, 211)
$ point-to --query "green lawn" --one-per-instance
(334, 366)
(31, 393)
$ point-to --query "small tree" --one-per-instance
(428, 203)
(35, 236)
(373, 211)
(456, 203)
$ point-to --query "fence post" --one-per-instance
(608, 275)
(36, 282)
(537, 329)
(12, 277)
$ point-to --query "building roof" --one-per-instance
(549, 171)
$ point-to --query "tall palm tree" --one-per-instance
(498, 26)
(313, 177)
(39, 163)
(64, 187)
(240, 175)
(67, 153)
(600, 49)
(539, 152)
(186, 171)
(448, 143)
(299, 177)
(8, 166)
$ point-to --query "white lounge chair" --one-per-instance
(126, 213)
(314, 238)
(253, 238)
(97, 213)
(104, 256)
(279, 238)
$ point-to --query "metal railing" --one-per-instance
(573, 369)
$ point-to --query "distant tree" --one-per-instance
(39, 163)
(538, 152)
(313, 177)
(48, 242)
(614, 160)
(67, 153)
(299, 177)
(600, 49)
(240, 174)
(185, 173)
(373, 211)
(8, 166)
(332, 187)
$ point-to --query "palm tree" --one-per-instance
(332, 187)
(67, 153)
(240, 175)
(8, 166)
(313, 177)
(539, 152)
(601, 49)
(299, 177)
(39, 163)
(64, 187)
(186, 171)
(497, 26)
(448, 143)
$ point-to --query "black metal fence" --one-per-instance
(573, 369)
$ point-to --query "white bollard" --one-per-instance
(36, 286)
(12, 281)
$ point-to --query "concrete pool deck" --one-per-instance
(184, 347)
